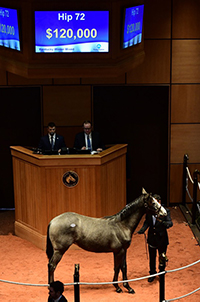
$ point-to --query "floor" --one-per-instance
(26, 265)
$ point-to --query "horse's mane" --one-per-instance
(126, 211)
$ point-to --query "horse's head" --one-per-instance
(152, 205)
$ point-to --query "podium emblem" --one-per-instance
(70, 179)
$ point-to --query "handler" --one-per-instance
(157, 236)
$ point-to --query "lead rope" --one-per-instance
(145, 239)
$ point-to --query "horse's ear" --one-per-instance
(144, 191)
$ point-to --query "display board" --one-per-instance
(132, 25)
(9, 28)
(71, 31)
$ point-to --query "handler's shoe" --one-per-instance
(150, 279)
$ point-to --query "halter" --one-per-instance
(146, 205)
(158, 210)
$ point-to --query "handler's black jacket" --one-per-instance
(157, 234)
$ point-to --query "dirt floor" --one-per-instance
(22, 262)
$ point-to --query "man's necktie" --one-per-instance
(88, 142)
(52, 144)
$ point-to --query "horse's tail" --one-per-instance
(49, 246)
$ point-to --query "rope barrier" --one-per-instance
(190, 177)
(122, 281)
(114, 282)
(178, 298)
(190, 197)
(183, 267)
(106, 283)
(191, 180)
(187, 190)
(21, 283)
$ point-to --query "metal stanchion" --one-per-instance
(184, 179)
(162, 264)
(76, 286)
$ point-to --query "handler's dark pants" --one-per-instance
(152, 257)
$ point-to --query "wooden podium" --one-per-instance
(48, 185)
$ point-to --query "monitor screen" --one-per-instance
(132, 26)
(9, 28)
(71, 31)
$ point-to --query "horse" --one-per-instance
(100, 235)
(70, 179)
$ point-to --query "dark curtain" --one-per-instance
(20, 126)
(137, 116)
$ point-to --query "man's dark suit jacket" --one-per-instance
(44, 143)
(62, 299)
(96, 141)
(157, 234)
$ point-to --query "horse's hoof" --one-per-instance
(119, 290)
(131, 291)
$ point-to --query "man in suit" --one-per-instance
(56, 289)
(88, 139)
(52, 141)
(157, 236)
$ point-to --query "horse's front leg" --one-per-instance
(124, 274)
(117, 264)
(118, 289)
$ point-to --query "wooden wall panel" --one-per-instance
(3, 77)
(67, 81)
(117, 80)
(185, 140)
(86, 203)
(29, 178)
(115, 171)
(157, 19)
(156, 65)
(14, 79)
(176, 183)
(186, 61)
(185, 104)
(66, 105)
(186, 21)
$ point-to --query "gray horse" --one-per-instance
(100, 235)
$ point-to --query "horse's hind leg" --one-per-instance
(55, 259)
(124, 274)
(50, 274)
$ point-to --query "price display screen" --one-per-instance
(9, 30)
(71, 31)
(133, 22)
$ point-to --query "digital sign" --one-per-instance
(9, 30)
(71, 31)
(132, 27)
